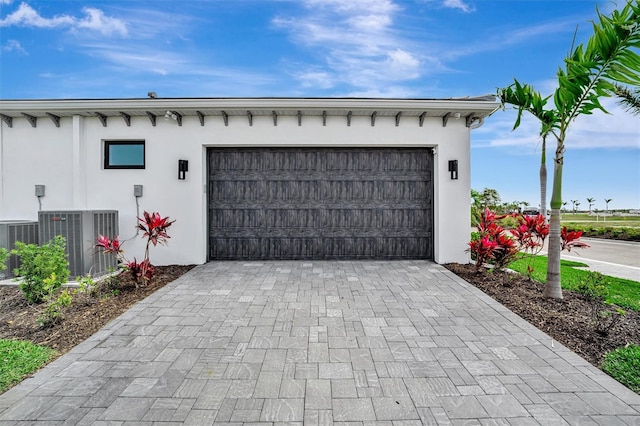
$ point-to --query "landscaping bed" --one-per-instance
(85, 316)
(568, 320)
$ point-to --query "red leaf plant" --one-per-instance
(493, 245)
(530, 234)
(571, 239)
(154, 229)
(500, 247)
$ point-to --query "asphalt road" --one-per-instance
(616, 258)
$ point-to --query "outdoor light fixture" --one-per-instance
(169, 114)
(183, 168)
(453, 169)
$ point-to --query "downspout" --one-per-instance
(1, 169)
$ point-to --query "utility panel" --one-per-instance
(16, 230)
(81, 228)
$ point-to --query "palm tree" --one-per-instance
(575, 203)
(590, 201)
(589, 74)
(564, 204)
(606, 209)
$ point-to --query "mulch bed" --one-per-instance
(85, 316)
(568, 321)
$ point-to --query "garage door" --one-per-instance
(320, 203)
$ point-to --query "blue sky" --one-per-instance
(333, 48)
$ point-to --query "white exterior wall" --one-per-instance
(69, 161)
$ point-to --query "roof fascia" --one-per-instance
(479, 106)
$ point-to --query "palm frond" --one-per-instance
(629, 99)
(610, 56)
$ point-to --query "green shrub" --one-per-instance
(593, 287)
(54, 310)
(623, 364)
(3, 258)
(509, 222)
(43, 268)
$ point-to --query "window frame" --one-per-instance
(109, 143)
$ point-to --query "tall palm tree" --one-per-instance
(590, 201)
(590, 71)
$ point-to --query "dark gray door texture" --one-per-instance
(320, 203)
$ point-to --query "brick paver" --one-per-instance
(359, 342)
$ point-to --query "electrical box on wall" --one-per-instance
(81, 228)
(137, 190)
(39, 190)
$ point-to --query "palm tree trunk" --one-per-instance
(543, 178)
(553, 287)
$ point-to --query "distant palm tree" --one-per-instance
(564, 204)
(606, 209)
(590, 201)
(575, 203)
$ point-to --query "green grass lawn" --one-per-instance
(623, 364)
(18, 359)
(585, 220)
(624, 293)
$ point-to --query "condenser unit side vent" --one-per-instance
(81, 228)
(12, 231)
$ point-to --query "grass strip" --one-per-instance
(622, 292)
(623, 364)
(18, 359)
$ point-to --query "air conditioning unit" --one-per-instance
(12, 231)
(81, 228)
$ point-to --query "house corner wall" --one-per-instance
(452, 209)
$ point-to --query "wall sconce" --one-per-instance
(453, 169)
(183, 168)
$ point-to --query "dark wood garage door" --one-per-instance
(320, 203)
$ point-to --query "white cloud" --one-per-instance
(25, 15)
(94, 20)
(316, 79)
(356, 44)
(458, 4)
(403, 64)
(5, 1)
(14, 46)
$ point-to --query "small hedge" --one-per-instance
(617, 233)
(623, 364)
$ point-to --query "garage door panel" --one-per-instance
(320, 203)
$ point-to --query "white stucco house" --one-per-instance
(258, 178)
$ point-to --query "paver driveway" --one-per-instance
(399, 343)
